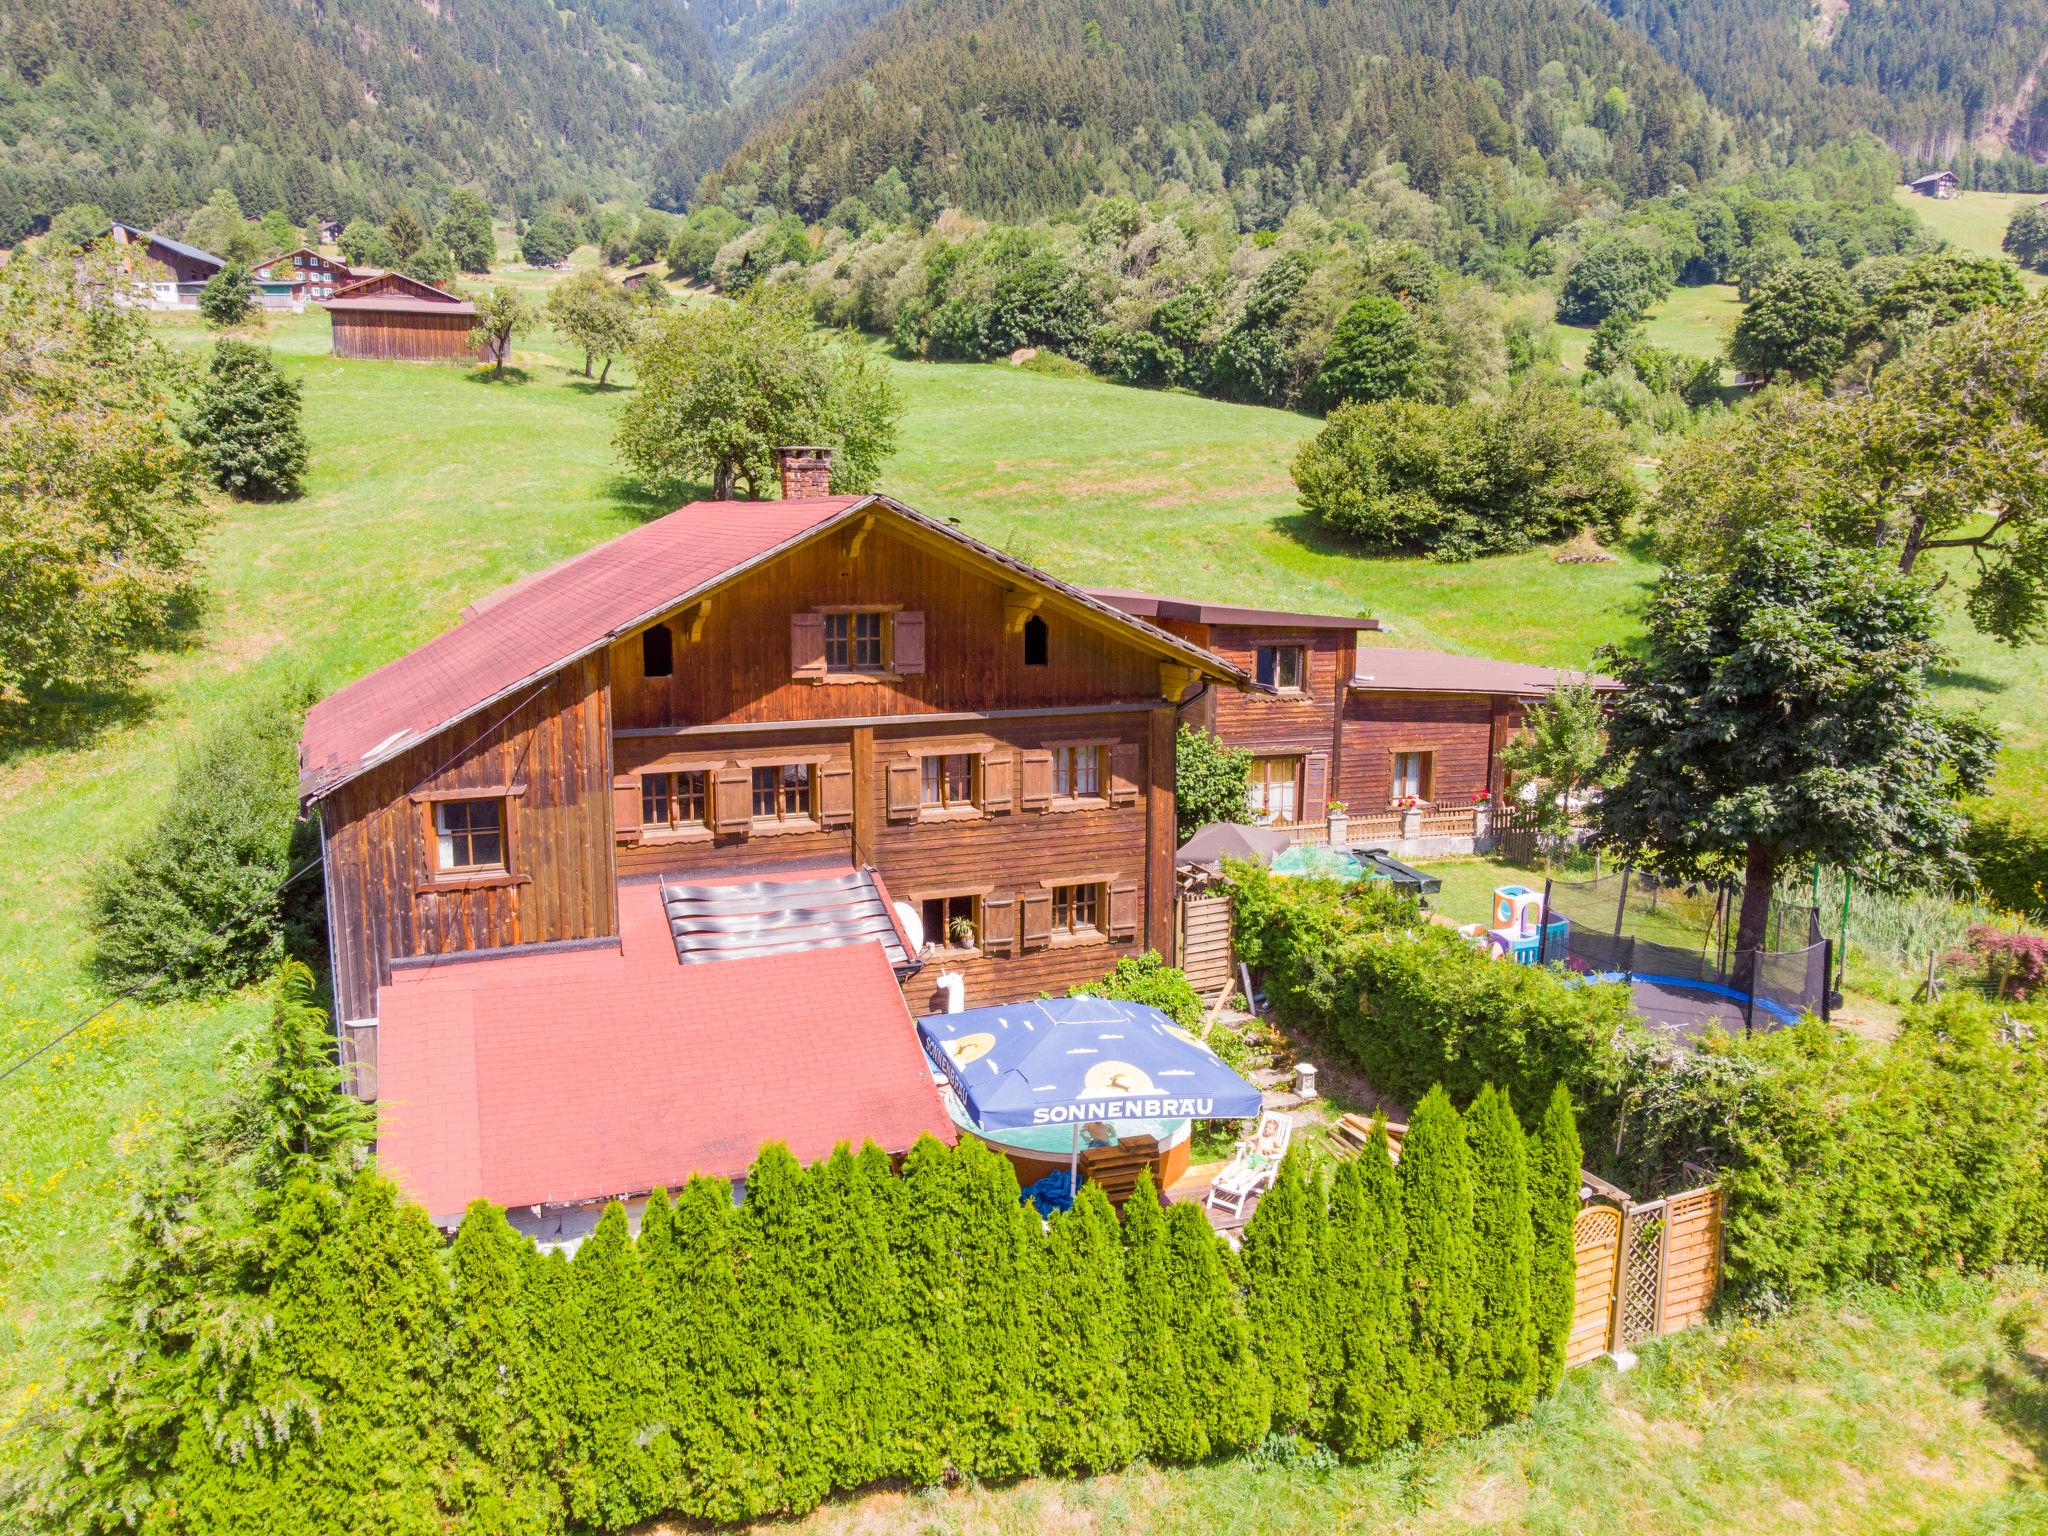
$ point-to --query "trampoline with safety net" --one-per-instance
(1687, 990)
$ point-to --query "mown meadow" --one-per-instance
(431, 486)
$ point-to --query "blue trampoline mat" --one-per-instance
(1712, 991)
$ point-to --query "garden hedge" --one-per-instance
(1843, 1159)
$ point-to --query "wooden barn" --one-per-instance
(1941, 184)
(399, 318)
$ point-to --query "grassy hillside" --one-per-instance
(431, 486)
(1888, 1415)
(1973, 221)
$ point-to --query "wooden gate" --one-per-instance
(1205, 952)
(1643, 1270)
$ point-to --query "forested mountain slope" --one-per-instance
(315, 106)
(1015, 107)
(1939, 80)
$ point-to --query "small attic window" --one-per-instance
(1036, 646)
(657, 652)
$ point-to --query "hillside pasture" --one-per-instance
(1972, 221)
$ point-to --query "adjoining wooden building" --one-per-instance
(596, 858)
(1383, 730)
(394, 317)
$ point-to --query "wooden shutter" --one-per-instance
(807, 645)
(1315, 786)
(909, 647)
(999, 923)
(905, 789)
(626, 808)
(1123, 773)
(835, 794)
(1037, 918)
(1123, 910)
(998, 782)
(1034, 789)
(732, 808)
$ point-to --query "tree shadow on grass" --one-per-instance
(645, 504)
(2015, 1383)
(583, 386)
(511, 374)
(1966, 682)
(68, 722)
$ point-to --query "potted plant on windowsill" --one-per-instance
(960, 933)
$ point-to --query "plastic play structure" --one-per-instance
(1517, 929)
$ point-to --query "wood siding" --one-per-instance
(384, 901)
(402, 335)
(738, 668)
(1303, 725)
(1457, 728)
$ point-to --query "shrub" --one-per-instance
(1457, 481)
(1503, 1362)
(2010, 850)
(1436, 1206)
(1555, 1159)
(194, 906)
(245, 425)
(1212, 782)
(1150, 980)
(229, 297)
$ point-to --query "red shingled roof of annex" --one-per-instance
(575, 1075)
(562, 613)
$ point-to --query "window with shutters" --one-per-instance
(952, 924)
(1280, 666)
(853, 641)
(946, 782)
(657, 652)
(1078, 772)
(782, 793)
(675, 802)
(469, 835)
(1076, 912)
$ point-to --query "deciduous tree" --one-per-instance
(1212, 782)
(1556, 754)
(1778, 710)
(1797, 324)
(719, 388)
(501, 315)
(465, 229)
(597, 315)
(1375, 354)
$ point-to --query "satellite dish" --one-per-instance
(911, 921)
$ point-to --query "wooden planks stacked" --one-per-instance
(1115, 1169)
(1205, 952)
(1692, 1256)
(1351, 1132)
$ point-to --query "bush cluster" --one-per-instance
(245, 424)
(1458, 481)
(847, 1323)
(1842, 1160)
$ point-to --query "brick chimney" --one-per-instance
(806, 472)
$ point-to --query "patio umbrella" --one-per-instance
(1066, 1060)
(1230, 840)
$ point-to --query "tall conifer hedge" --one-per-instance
(291, 1348)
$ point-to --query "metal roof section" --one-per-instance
(728, 920)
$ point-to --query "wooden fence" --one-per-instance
(1205, 952)
(1643, 1270)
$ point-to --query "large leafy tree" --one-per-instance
(1778, 710)
(99, 520)
(1948, 451)
(1616, 274)
(1375, 354)
(1797, 323)
(465, 229)
(722, 386)
(501, 315)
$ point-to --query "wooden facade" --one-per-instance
(1063, 740)
(405, 336)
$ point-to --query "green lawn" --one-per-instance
(1695, 321)
(1881, 1416)
(433, 485)
(1973, 221)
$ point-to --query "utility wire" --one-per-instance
(274, 892)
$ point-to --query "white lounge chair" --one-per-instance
(1253, 1165)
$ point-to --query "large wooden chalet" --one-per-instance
(653, 856)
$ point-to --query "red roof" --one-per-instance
(574, 1075)
(539, 625)
(561, 614)
(1388, 669)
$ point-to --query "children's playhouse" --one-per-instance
(1518, 931)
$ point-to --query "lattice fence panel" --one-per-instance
(1642, 1275)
